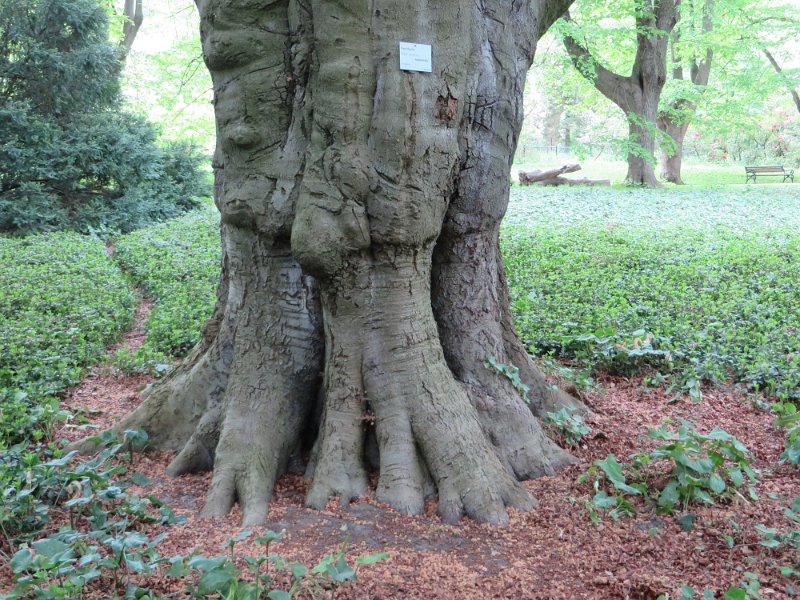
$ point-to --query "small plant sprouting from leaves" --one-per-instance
(774, 538)
(789, 418)
(512, 373)
(702, 468)
(134, 440)
(611, 470)
(749, 587)
(566, 425)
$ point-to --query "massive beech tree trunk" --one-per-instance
(675, 121)
(637, 94)
(362, 286)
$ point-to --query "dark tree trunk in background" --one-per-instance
(675, 121)
(637, 94)
(362, 280)
(134, 17)
(672, 157)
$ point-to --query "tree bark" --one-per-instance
(675, 121)
(638, 93)
(133, 12)
(672, 158)
(360, 215)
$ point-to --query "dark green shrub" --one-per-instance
(69, 157)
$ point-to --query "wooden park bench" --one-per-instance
(772, 171)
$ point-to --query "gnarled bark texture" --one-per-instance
(637, 94)
(362, 285)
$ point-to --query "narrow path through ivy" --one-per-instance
(106, 384)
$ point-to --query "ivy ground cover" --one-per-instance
(63, 301)
(177, 264)
(704, 284)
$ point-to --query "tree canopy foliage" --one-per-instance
(70, 157)
(720, 82)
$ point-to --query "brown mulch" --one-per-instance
(552, 552)
(105, 394)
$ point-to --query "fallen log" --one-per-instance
(553, 177)
(529, 177)
(565, 181)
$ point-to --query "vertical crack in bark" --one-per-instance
(272, 380)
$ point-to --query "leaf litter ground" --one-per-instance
(552, 552)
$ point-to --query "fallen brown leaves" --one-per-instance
(552, 552)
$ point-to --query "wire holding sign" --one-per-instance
(415, 57)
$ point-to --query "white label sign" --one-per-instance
(415, 57)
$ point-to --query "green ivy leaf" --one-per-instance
(687, 521)
(371, 559)
(603, 500)
(613, 470)
(717, 484)
(669, 496)
(735, 593)
(21, 560)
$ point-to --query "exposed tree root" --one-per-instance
(428, 430)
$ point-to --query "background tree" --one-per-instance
(133, 15)
(748, 117)
(775, 31)
(689, 43)
(69, 156)
(744, 119)
(637, 94)
(387, 187)
(558, 98)
(790, 85)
